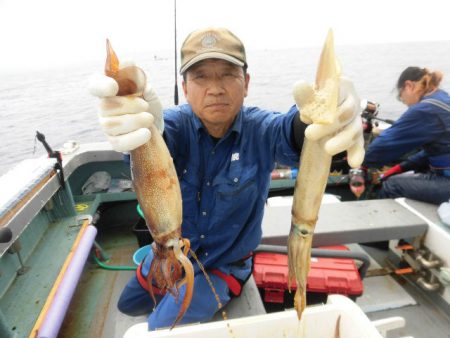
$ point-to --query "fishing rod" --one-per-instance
(371, 110)
(56, 154)
(175, 98)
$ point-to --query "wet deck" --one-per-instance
(96, 296)
(424, 319)
(93, 311)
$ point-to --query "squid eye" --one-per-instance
(304, 232)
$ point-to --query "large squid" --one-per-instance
(317, 106)
(158, 191)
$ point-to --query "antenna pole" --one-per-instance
(175, 98)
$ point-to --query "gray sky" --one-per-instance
(36, 34)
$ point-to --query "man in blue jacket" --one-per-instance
(224, 153)
(425, 125)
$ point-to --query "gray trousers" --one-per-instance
(429, 187)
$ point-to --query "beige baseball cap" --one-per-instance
(212, 43)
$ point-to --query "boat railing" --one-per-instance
(30, 186)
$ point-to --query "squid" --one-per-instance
(318, 105)
(158, 192)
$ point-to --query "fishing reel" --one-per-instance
(370, 119)
(369, 109)
(369, 113)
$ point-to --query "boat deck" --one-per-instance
(96, 297)
(48, 225)
(98, 291)
(399, 296)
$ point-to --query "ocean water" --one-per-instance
(56, 102)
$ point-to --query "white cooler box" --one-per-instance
(340, 317)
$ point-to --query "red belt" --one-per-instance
(143, 282)
(233, 284)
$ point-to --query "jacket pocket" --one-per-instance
(235, 197)
(190, 189)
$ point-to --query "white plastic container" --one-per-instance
(339, 318)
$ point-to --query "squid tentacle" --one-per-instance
(153, 268)
(189, 277)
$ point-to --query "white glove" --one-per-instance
(126, 119)
(346, 132)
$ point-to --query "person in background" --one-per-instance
(425, 125)
(224, 153)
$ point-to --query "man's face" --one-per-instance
(216, 89)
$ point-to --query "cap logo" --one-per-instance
(209, 40)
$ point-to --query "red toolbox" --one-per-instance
(326, 275)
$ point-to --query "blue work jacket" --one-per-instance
(224, 186)
(425, 126)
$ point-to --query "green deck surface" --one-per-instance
(97, 293)
(45, 244)
(22, 302)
